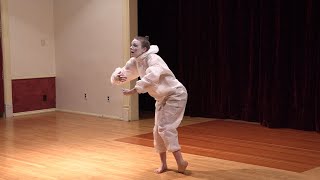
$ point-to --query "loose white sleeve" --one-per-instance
(129, 70)
(152, 77)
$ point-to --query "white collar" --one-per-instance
(153, 50)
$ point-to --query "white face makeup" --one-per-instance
(136, 49)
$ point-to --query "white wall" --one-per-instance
(80, 42)
(89, 45)
(31, 38)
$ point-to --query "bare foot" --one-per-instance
(182, 167)
(161, 169)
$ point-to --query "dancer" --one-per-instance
(171, 96)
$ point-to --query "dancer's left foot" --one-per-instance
(182, 167)
(161, 169)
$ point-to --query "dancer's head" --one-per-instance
(139, 45)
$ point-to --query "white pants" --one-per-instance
(168, 116)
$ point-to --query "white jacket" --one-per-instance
(155, 76)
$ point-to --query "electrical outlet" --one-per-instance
(85, 96)
(108, 99)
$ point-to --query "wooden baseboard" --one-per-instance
(34, 112)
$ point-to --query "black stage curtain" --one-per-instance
(252, 60)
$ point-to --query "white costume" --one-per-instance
(170, 95)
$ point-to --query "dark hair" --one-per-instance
(144, 41)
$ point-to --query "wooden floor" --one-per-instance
(60, 145)
(249, 143)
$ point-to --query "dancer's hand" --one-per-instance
(129, 91)
(121, 77)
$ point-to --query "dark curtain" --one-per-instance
(252, 60)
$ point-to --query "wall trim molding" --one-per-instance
(33, 77)
(34, 112)
(67, 111)
(92, 114)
